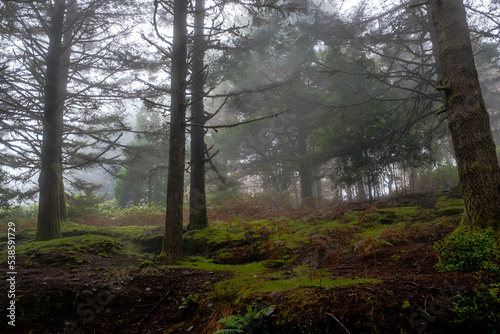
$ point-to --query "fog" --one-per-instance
(330, 100)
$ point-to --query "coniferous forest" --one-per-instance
(261, 166)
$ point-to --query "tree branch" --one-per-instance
(224, 126)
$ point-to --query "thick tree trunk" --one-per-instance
(197, 198)
(468, 120)
(71, 15)
(49, 211)
(172, 240)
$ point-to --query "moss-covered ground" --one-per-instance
(362, 268)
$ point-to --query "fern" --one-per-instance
(251, 320)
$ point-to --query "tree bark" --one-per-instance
(172, 240)
(71, 15)
(360, 187)
(318, 188)
(50, 180)
(305, 172)
(468, 120)
(198, 219)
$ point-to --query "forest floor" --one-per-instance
(357, 268)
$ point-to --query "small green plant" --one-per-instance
(481, 310)
(189, 301)
(406, 304)
(253, 320)
(469, 251)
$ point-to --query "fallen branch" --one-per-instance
(331, 315)
(162, 299)
(343, 268)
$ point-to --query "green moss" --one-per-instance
(254, 268)
(470, 251)
(212, 238)
(146, 264)
(280, 262)
(62, 250)
(253, 277)
(288, 235)
(480, 310)
(449, 211)
(287, 284)
(406, 210)
(446, 202)
(376, 230)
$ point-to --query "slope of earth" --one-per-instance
(360, 268)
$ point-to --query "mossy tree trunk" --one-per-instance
(197, 195)
(50, 180)
(172, 240)
(468, 120)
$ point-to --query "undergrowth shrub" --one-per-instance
(83, 204)
(251, 322)
(260, 206)
(23, 211)
(23, 215)
(369, 245)
(273, 206)
(469, 252)
(481, 310)
(113, 209)
(110, 213)
(477, 251)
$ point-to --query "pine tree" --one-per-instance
(467, 117)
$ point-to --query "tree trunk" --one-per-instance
(71, 15)
(468, 120)
(394, 175)
(360, 194)
(348, 192)
(50, 180)
(318, 188)
(305, 172)
(172, 240)
(197, 198)
(370, 187)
